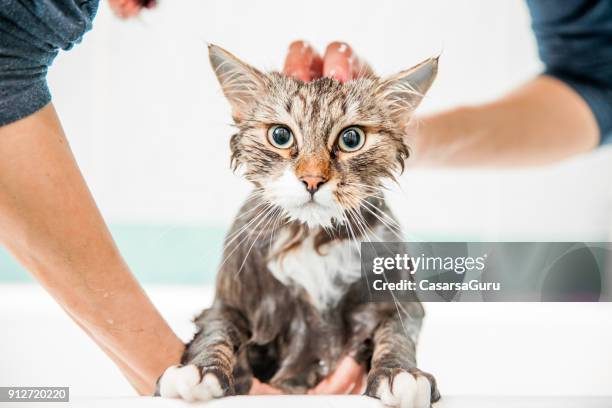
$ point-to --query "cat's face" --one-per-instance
(319, 149)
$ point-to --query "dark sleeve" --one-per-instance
(31, 35)
(575, 44)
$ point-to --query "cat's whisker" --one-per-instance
(349, 229)
(390, 220)
(351, 216)
(358, 247)
(209, 251)
(353, 238)
(371, 192)
(262, 214)
(359, 200)
(249, 234)
(391, 223)
(387, 216)
(232, 236)
(352, 213)
(370, 195)
(363, 225)
(241, 232)
(270, 218)
(396, 231)
(358, 224)
(393, 228)
(279, 216)
(354, 183)
(361, 222)
(397, 304)
(251, 210)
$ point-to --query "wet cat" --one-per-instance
(288, 304)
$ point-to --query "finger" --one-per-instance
(125, 8)
(359, 387)
(341, 63)
(325, 387)
(131, 9)
(259, 388)
(303, 62)
(342, 379)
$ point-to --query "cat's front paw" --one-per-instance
(399, 388)
(193, 383)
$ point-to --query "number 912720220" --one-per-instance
(34, 394)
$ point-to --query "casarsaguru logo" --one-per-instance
(426, 285)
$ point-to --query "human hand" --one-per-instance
(130, 8)
(348, 378)
(259, 388)
(339, 62)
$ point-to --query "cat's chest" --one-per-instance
(324, 274)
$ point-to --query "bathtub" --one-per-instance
(478, 352)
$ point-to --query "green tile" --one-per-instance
(155, 253)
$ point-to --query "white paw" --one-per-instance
(405, 391)
(185, 382)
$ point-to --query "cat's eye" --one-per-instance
(351, 139)
(280, 136)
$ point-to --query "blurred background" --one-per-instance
(150, 128)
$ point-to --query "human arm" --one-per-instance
(567, 110)
(50, 223)
(541, 122)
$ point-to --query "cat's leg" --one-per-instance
(209, 360)
(394, 377)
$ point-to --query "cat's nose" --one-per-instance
(312, 183)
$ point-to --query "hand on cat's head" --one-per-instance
(339, 62)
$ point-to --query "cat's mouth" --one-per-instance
(314, 209)
(312, 203)
(313, 213)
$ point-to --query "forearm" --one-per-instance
(49, 221)
(541, 122)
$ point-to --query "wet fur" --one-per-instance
(275, 331)
(279, 336)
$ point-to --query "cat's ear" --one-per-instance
(240, 82)
(405, 90)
